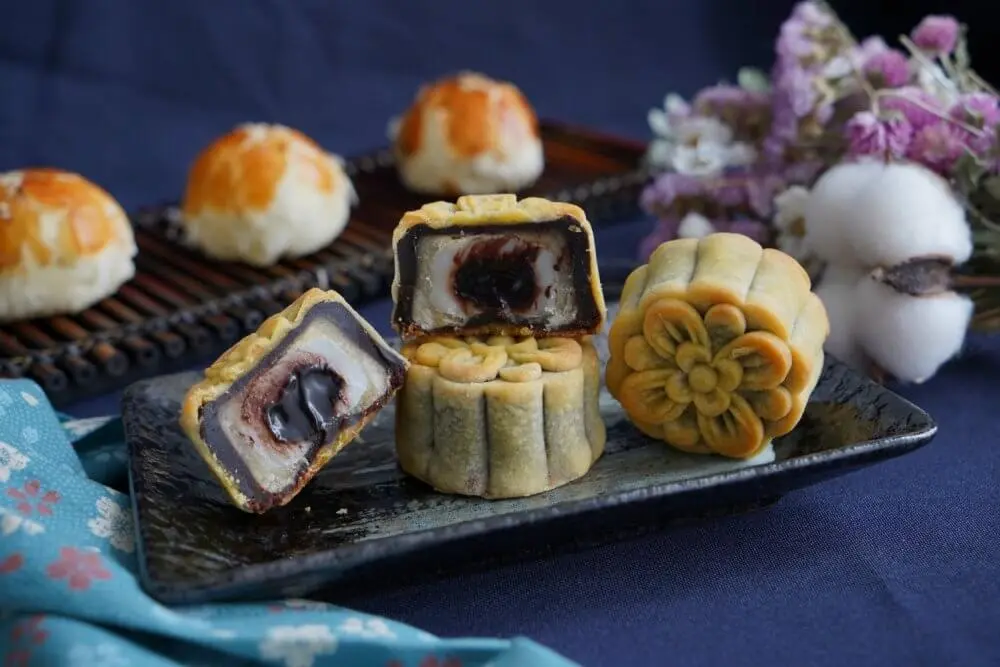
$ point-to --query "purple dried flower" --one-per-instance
(728, 193)
(920, 107)
(761, 191)
(867, 134)
(802, 172)
(938, 146)
(981, 109)
(798, 88)
(810, 12)
(667, 187)
(755, 229)
(665, 230)
(889, 69)
(868, 48)
(717, 100)
(936, 34)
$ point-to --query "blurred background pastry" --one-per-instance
(262, 193)
(65, 244)
(468, 134)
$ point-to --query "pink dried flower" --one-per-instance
(980, 109)
(936, 34)
(889, 69)
(867, 134)
(938, 146)
(920, 107)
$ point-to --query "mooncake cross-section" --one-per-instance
(279, 404)
(491, 264)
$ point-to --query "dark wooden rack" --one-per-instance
(181, 310)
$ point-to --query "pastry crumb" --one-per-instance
(342, 510)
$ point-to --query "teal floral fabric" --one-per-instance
(69, 594)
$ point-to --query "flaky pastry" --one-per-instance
(468, 134)
(265, 192)
(65, 244)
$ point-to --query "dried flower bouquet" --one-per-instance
(878, 168)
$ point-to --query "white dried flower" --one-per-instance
(907, 211)
(865, 216)
(694, 145)
(695, 226)
(908, 336)
(837, 291)
(789, 222)
(830, 206)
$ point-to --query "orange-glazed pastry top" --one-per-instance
(476, 109)
(240, 172)
(55, 217)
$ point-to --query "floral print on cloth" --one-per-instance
(67, 551)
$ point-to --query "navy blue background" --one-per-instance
(893, 565)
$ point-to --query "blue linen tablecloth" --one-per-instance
(893, 565)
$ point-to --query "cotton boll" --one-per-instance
(908, 336)
(831, 206)
(907, 211)
(838, 292)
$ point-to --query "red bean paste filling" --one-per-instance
(497, 275)
(306, 405)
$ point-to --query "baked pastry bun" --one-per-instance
(263, 193)
(65, 244)
(468, 134)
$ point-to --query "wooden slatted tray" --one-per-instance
(181, 310)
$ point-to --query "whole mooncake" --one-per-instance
(491, 264)
(499, 417)
(262, 193)
(717, 345)
(279, 404)
(468, 134)
(65, 244)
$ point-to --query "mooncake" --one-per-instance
(468, 134)
(717, 345)
(262, 193)
(499, 417)
(65, 244)
(279, 404)
(491, 264)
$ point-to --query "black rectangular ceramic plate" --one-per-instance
(361, 522)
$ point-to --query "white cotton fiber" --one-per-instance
(906, 211)
(830, 209)
(910, 337)
(838, 292)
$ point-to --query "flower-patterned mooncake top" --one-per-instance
(718, 345)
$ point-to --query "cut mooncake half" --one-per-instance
(279, 404)
(717, 345)
(499, 417)
(491, 264)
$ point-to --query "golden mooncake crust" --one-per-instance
(242, 358)
(717, 345)
(499, 417)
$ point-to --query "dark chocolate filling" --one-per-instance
(577, 261)
(497, 274)
(259, 499)
(307, 405)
